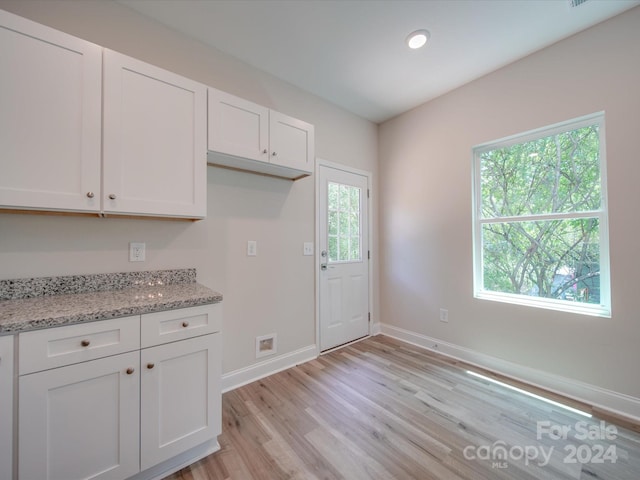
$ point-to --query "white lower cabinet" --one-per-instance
(173, 421)
(6, 407)
(81, 421)
(133, 412)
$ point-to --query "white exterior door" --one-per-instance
(344, 264)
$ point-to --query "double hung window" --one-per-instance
(540, 218)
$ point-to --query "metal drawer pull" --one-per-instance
(150, 365)
(112, 196)
(90, 194)
(130, 370)
(185, 324)
(85, 343)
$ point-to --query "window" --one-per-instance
(344, 223)
(540, 218)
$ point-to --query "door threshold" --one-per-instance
(338, 347)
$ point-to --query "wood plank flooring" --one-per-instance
(384, 409)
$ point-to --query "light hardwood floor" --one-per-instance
(384, 409)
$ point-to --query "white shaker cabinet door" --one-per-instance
(81, 421)
(238, 127)
(155, 140)
(6, 407)
(292, 142)
(50, 118)
(180, 394)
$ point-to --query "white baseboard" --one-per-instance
(375, 329)
(243, 376)
(613, 402)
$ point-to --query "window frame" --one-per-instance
(603, 309)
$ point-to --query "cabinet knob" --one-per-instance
(185, 324)
(130, 370)
(274, 154)
(264, 151)
(85, 343)
(150, 365)
(112, 196)
(90, 194)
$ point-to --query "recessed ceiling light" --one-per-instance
(418, 39)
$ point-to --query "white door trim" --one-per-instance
(368, 175)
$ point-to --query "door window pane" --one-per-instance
(344, 227)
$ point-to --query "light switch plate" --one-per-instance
(252, 248)
(307, 248)
(136, 251)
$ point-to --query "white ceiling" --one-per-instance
(353, 52)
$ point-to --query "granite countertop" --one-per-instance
(29, 304)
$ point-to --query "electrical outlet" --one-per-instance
(252, 248)
(307, 248)
(444, 315)
(136, 251)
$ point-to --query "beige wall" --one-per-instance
(426, 221)
(273, 292)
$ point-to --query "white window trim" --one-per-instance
(601, 310)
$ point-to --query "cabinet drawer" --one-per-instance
(56, 347)
(163, 327)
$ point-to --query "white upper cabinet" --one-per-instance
(238, 127)
(50, 118)
(291, 142)
(245, 136)
(155, 150)
(85, 129)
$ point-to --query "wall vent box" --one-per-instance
(266, 345)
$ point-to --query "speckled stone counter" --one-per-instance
(28, 304)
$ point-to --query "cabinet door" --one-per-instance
(181, 399)
(291, 142)
(155, 150)
(6, 407)
(50, 118)
(81, 421)
(238, 127)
